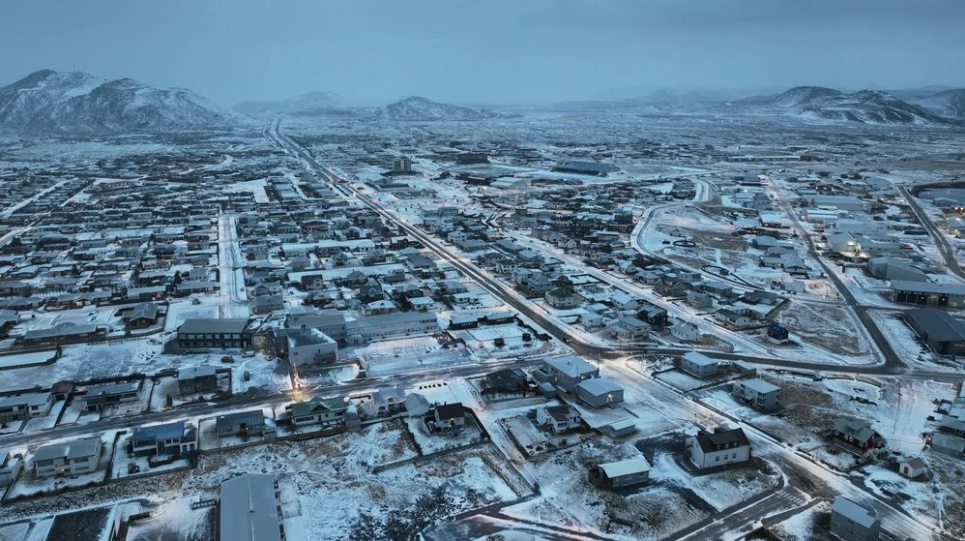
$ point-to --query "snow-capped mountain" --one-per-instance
(416, 108)
(864, 106)
(52, 103)
(950, 103)
(313, 101)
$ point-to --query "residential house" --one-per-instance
(197, 379)
(449, 417)
(685, 331)
(735, 319)
(853, 522)
(760, 394)
(10, 467)
(566, 372)
(559, 419)
(388, 401)
(719, 448)
(267, 304)
(563, 298)
(25, 407)
(698, 365)
(317, 411)
(857, 434)
(104, 396)
(178, 439)
(242, 423)
(599, 392)
(309, 346)
(67, 458)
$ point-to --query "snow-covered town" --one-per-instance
(587, 320)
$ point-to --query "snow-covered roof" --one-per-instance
(857, 513)
(249, 509)
(625, 467)
(599, 386)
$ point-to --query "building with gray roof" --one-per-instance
(853, 522)
(944, 334)
(250, 510)
(215, 333)
(67, 458)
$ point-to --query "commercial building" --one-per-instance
(250, 510)
(944, 334)
(928, 293)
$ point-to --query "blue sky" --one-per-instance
(488, 52)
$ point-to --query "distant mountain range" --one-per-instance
(925, 106)
(306, 103)
(947, 103)
(49, 103)
(864, 106)
(422, 109)
(53, 103)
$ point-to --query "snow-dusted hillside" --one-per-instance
(416, 108)
(52, 103)
(865, 106)
(950, 103)
(313, 101)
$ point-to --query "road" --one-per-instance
(892, 362)
(241, 401)
(951, 262)
(229, 263)
(663, 398)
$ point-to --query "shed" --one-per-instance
(624, 473)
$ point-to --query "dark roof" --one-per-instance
(159, 432)
(721, 439)
(213, 326)
(508, 379)
(450, 411)
(928, 287)
(594, 167)
(250, 418)
(938, 324)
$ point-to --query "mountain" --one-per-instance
(950, 103)
(864, 106)
(53, 103)
(422, 109)
(313, 101)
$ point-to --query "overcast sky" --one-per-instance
(487, 51)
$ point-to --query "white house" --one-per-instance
(719, 448)
(558, 418)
